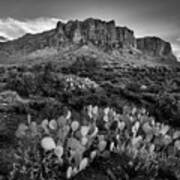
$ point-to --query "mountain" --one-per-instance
(95, 34)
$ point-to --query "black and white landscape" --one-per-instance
(89, 90)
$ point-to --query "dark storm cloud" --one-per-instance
(145, 17)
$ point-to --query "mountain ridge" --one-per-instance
(101, 34)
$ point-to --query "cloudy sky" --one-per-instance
(146, 17)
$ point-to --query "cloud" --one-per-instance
(176, 49)
(12, 28)
(178, 39)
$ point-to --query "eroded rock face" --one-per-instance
(97, 32)
(155, 46)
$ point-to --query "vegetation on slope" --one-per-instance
(48, 91)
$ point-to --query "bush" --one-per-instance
(84, 64)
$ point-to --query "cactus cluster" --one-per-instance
(72, 83)
(72, 144)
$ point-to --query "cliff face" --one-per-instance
(155, 46)
(95, 31)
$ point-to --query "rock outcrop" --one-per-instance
(155, 46)
(95, 31)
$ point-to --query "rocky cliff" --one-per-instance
(97, 32)
(155, 46)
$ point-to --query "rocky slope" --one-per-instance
(105, 36)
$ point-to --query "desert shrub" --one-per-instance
(44, 108)
(84, 63)
(24, 84)
(43, 80)
(48, 83)
(166, 109)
